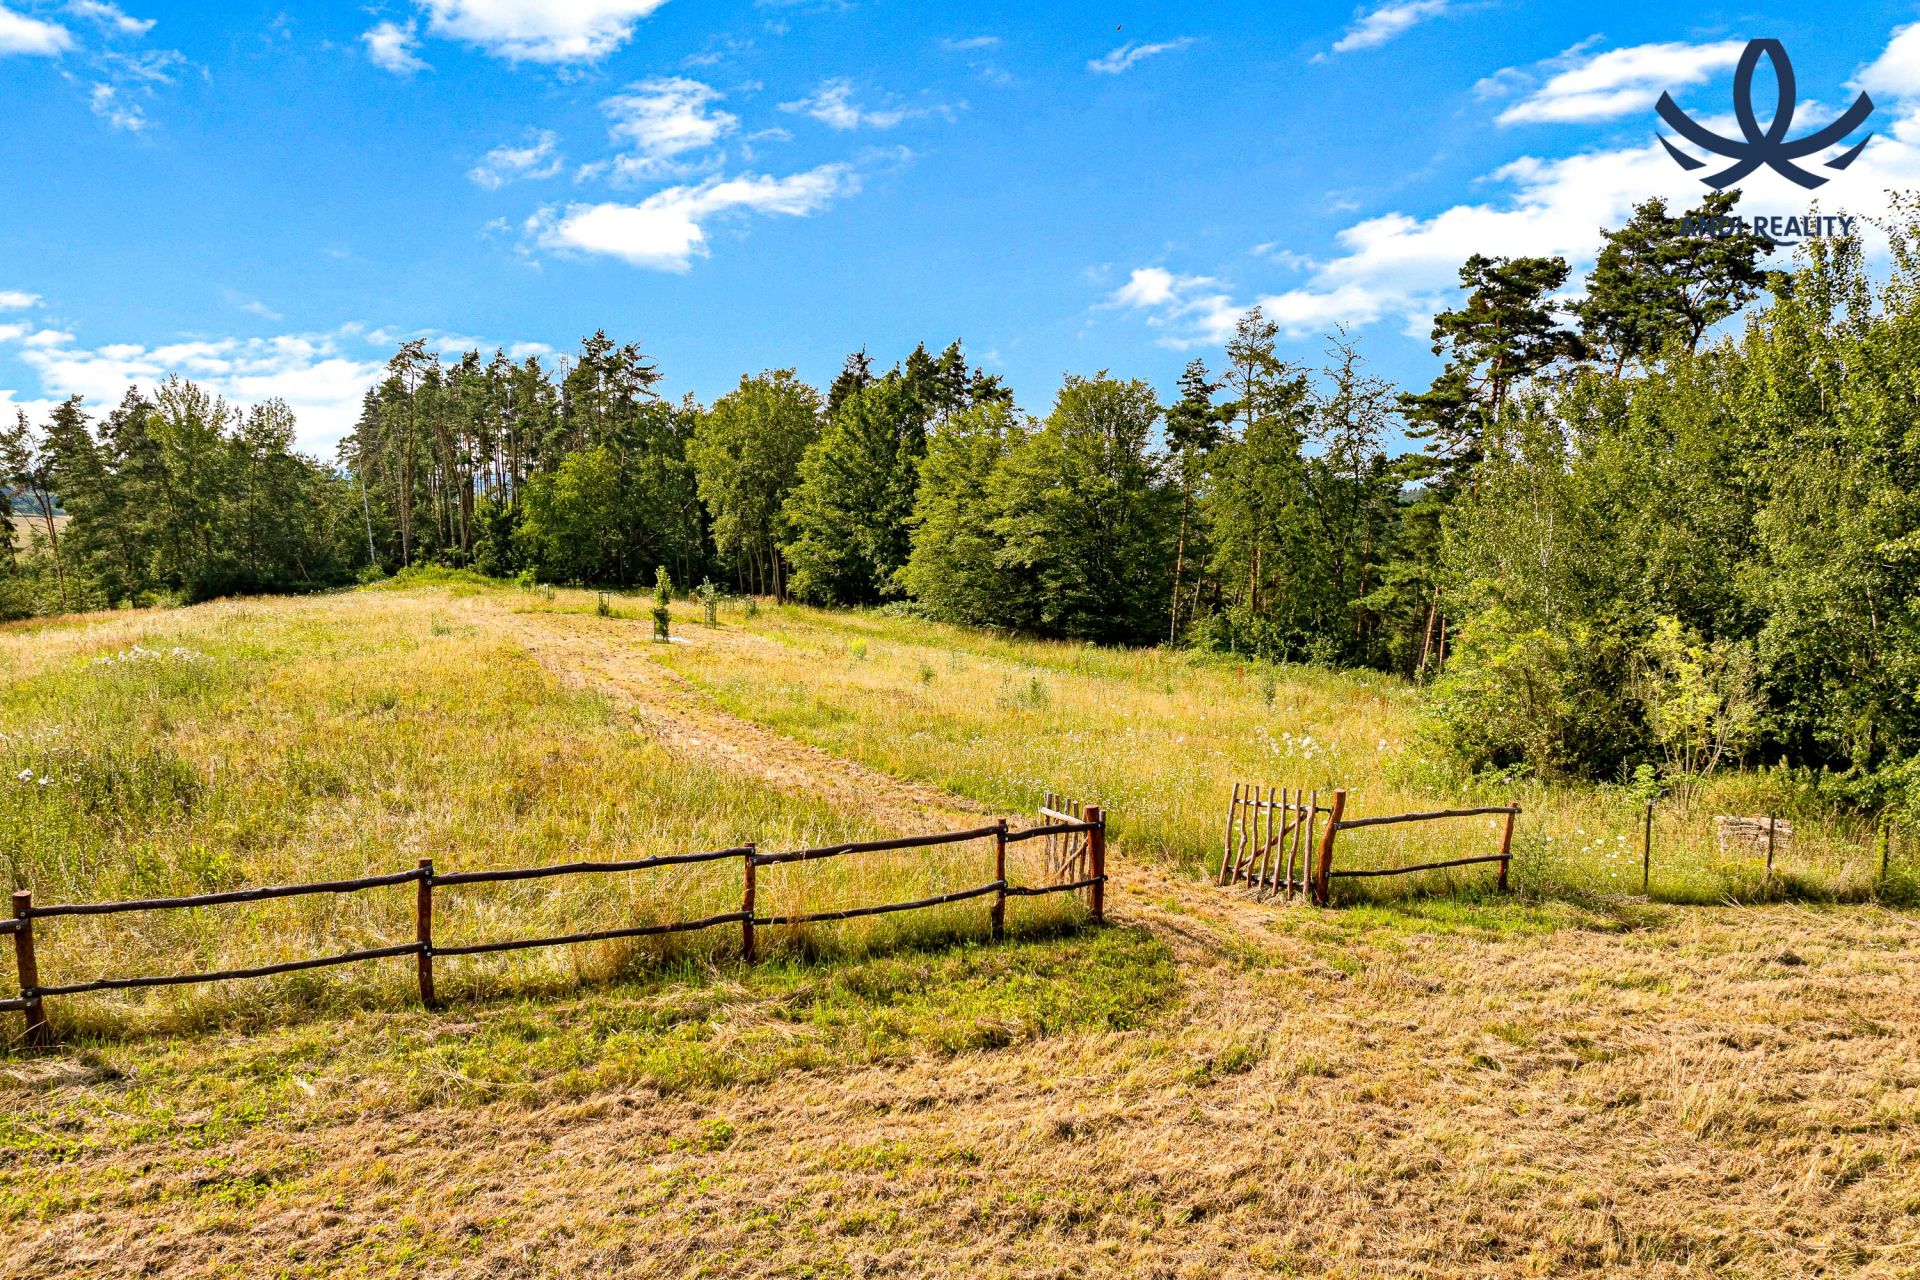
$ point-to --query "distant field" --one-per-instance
(25, 528)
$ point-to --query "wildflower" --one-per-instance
(26, 775)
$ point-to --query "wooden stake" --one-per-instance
(36, 1012)
(1226, 848)
(1770, 826)
(1323, 878)
(746, 904)
(423, 932)
(1097, 860)
(1506, 852)
(999, 917)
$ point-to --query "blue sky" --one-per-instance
(267, 198)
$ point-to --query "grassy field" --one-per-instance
(1567, 1081)
(1161, 736)
(242, 744)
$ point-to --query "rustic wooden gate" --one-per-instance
(1068, 855)
(1270, 840)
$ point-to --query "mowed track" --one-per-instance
(1710, 1092)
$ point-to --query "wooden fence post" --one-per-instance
(36, 1012)
(1506, 850)
(1097, 860)
(1323, 875)
(999, 917)
(1770, 825)
(1226, 848)
(423, 931)
(746, 904)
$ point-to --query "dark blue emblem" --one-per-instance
(1770, 148)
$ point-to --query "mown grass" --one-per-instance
(1160, 737)
(684, 1026)
(249, 743)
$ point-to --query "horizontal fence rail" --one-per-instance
(1088, 858)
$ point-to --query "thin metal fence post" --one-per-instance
(1646, 852)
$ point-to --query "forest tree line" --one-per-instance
(1624, 531)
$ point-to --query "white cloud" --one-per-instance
(1130, 55)
(1896, 72)
(391, 47)
(832, 104)
(1384, 22)
(552, 31)
(969, 44)
(535, 160)
(1618, 82)
(21, 34)
(110, 16)
(667, 230)
(322, 377)
(1402, 268)
(116, 110)
(15, 300)
(661, 120)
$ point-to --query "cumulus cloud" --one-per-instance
(1374, 27)
(549, 31)
(668, 230)
(1130, 55)
(30, 36)
(533, 160)
(16, 300)
(391, 47)
(832, 104)
(1895, 73)
(322, 377)
(660, 121)
(1618, 82)
(1401, 268)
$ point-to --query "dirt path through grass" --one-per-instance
(612, 657)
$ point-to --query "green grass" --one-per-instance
(684, 1028)
(249, 743)
(1160, 737)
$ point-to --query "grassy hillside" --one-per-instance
(266, 742)
(1161, 737)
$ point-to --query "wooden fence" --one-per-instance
(1266, 838)
(1085, 827)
